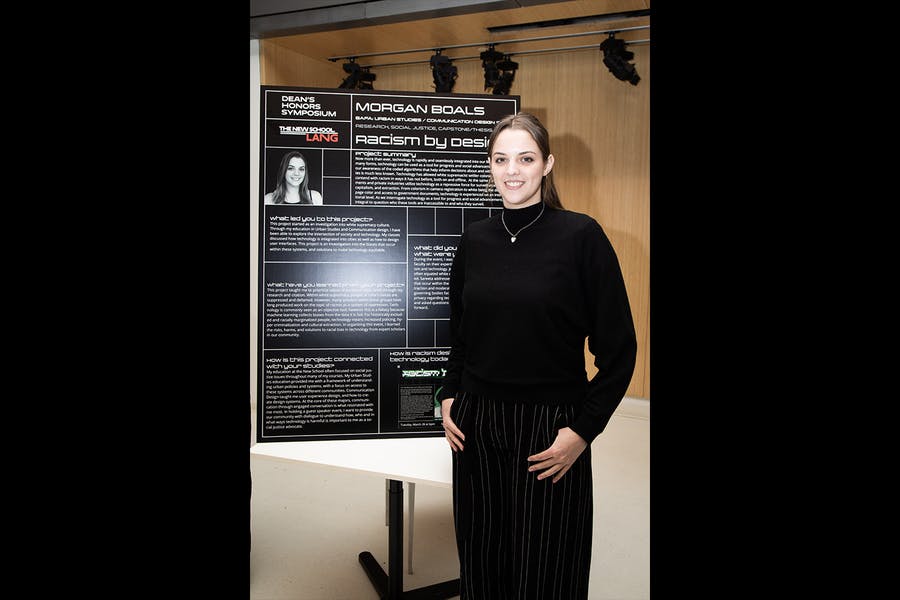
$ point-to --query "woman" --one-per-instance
(293, 183)
(527, 287)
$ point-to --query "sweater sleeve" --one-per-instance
(611, 337)
(456, 358)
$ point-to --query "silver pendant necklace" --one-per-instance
(513, 236)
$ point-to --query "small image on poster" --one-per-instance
(412, 379)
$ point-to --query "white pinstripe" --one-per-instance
(518, 539)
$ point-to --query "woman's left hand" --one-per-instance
(558, 458)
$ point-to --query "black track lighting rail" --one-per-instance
(491, 43)
(520, 53)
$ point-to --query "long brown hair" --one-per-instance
(281, 186)
(538, 132)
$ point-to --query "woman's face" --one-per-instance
(296, 171)
(517, 168)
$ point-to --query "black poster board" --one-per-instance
(353, 300)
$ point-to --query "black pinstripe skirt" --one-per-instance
(518, 538)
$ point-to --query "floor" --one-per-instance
(309, 523)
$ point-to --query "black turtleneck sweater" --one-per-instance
(520, 312)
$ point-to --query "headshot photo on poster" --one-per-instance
(294, 177)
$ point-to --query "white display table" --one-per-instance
(426, 460)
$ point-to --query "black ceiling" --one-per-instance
(272, 18)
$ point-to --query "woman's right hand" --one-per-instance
(455, 437)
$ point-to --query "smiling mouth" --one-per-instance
(514, 184)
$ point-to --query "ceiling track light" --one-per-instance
(443, 72)
(489, 60)
(358, 78)
(507, 70)
(499, 71)
(616, 58)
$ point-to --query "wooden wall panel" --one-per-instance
(281, 66)
(599, 133)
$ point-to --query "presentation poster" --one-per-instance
(363, 198)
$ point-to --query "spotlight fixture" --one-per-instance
(443, 72)
(358, 78)
(616, 58)
(351, 80)
(489, 60)
(507, 70)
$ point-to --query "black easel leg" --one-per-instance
(376, 574)
(395, 541)
(391, 587)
